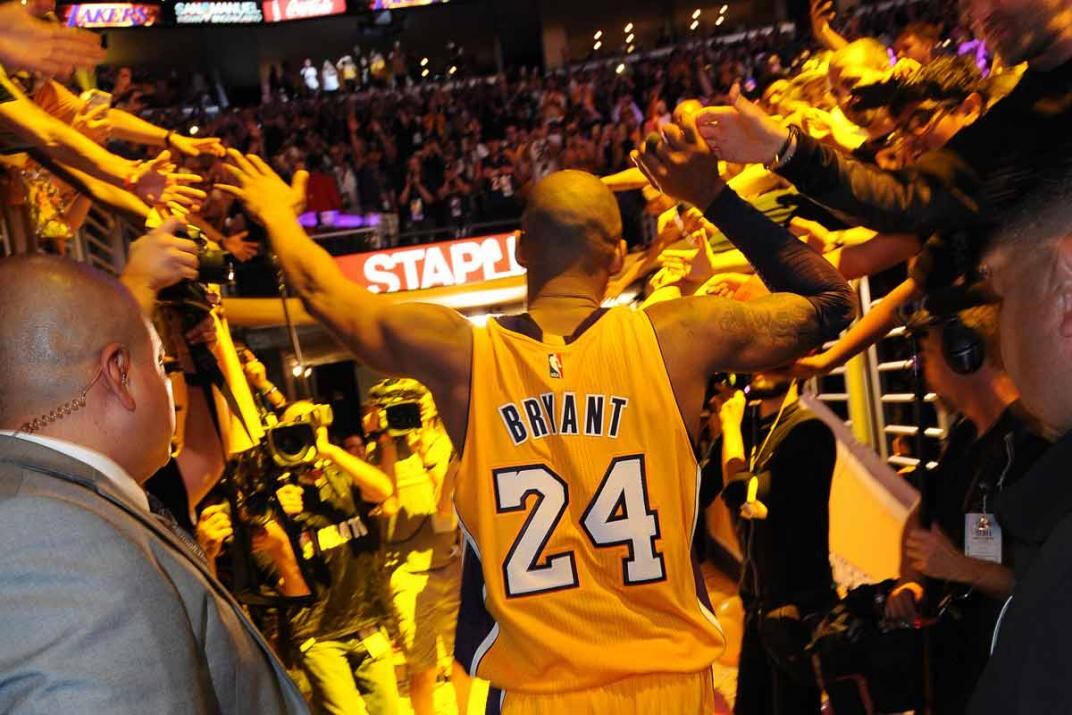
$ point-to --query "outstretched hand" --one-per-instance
(681, 165)
(822, 12)
(157, 183)
(93, 123)
(196, 146)
(52, 49)
(742, 132)
(261, 190)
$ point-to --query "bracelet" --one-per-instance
(786, 153)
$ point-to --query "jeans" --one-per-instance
(343, 674)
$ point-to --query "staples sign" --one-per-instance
(451, 263)
(111, 14)
(281, 10)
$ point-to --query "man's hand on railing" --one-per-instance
(31, 44)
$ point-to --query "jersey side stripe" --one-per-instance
(476, 630)
(703, 598)
(495, 701)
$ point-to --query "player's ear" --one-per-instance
(620, 252)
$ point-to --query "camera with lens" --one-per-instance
(214, 265)
(251, 481)
(404, 405)
(293, 443)
(187, 304)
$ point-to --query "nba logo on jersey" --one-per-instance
(554, 365)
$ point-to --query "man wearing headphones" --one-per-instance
(775, 475)
(963, 556)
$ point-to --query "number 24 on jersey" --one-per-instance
(618, 515)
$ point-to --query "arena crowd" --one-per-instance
(180, 535)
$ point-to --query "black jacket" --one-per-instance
(982, 171)
(1031, 667)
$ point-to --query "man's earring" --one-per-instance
(125, 378)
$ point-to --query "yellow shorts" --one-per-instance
(655, 694)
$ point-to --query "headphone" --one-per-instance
(962, 347)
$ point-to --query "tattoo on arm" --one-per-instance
(766, 332)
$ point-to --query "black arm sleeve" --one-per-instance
(937, 193)
(784, 263)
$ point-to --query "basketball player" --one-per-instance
(577, 490)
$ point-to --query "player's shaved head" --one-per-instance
(572, 224)
(55, 318)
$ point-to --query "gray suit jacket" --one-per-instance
(104, 610)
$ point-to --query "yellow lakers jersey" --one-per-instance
(578, 495)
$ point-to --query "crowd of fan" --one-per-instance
(451, 158)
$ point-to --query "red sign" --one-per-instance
(399, 4)
(450, 263)
(282, 10)
(111, 14)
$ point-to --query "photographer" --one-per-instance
(783, 529)
(419, 541)
(962, 556)
(340, 638)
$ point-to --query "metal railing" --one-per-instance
(872, 393)
(102, 241)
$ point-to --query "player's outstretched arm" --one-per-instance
(810, 302)
(428, 342)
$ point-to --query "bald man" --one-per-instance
(577, 485)
(859, 63)
(104, 609)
